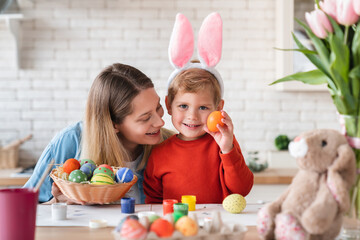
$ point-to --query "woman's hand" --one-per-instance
(60, 197)
(225, 136)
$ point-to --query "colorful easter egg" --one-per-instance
(162, 228)
(107, 166)
(77, 176)
(187, 226)
(124, 175)
(234, 203)
(88, 169)
(132, 229)
(106, 169)
(102, 179)
(83, 161)
(70, 165)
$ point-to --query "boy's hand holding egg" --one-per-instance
(223, 137)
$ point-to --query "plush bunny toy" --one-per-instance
(313, 205)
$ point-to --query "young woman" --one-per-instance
(123, 120)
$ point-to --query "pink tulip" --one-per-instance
(345, 12)
(319, 23)
(357, 6)
(329, 6)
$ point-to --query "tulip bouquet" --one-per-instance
(334, 30)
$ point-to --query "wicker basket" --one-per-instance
(9, 155)
(90, 193)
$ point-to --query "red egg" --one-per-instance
(162, 228)
(106, 166)
(70, 165)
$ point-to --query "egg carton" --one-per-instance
(227, 232)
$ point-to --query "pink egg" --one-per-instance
(132, 229)
(106, 166)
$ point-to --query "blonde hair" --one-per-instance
(109, 102)
(194, 80)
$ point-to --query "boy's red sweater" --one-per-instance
(178, 167)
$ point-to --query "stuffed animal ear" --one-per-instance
(181, 45)
(342, 175)
(210, 40)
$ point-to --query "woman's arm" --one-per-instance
(65, 145)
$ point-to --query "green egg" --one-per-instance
(105, 171)
(83, 161)
(77, 176)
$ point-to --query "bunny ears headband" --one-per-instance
(209, 46)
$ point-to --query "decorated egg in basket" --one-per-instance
(102, 179)
(70, 165)
(88, 169)
(77, 176)
(105, 169)
(84, 161)
(124, 175)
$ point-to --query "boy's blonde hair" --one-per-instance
(194, 80)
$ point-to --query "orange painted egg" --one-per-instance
(70, 165)
(162, 228)
(213, 119)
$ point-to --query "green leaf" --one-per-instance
(339, 103)
(313, 58)
(313, 77)
(339, 57)
(337, 29)
(355, 47)
(355, 82)
(304, 51)
(344, 91)
(319, 45)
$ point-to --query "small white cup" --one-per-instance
(58, 211)
(146, 214)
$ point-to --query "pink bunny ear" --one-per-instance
(210, 40)
(181, 45)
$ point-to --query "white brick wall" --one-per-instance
(66, 43)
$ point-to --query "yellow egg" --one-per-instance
(102, 179)
(234, 203)
(187, 226)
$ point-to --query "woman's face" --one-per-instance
(143, 125)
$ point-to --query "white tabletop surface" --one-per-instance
(78, 215)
